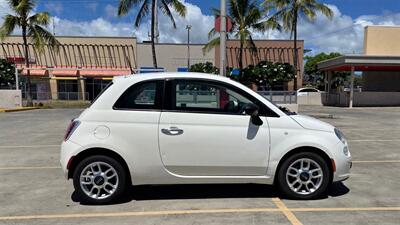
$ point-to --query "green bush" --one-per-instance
(207, 67)
(7, 73)
(266, 74)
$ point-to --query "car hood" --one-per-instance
(311, 123)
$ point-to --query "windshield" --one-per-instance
(283, 109)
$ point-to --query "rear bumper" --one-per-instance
(68, 150)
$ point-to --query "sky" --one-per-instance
(344, 33)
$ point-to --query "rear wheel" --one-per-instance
(99, 179)
(304, 176)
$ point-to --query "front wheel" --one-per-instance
(304, 175)
(99, 180)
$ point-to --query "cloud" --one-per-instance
(110, 11)
(55, 7)
(201, 25)
(342, 34)
(4, 9)
(96, 27)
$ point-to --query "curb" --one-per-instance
(18, 109)
(323, 116)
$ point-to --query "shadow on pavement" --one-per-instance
(210, 191)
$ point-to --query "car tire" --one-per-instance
(99, 179)
(303, 176)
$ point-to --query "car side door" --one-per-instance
(203, 131)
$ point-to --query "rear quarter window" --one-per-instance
(102, 91)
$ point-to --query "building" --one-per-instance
(172, 56)
(380, 67)
(83, 66)
(80, 68)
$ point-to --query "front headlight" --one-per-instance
(346, 151)
(340, 135)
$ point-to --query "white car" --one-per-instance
(305, 91)
(186, 128)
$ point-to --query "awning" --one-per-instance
(361, 63)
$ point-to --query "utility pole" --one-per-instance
(16, 78)
(188, 27)
(156, 21)
(222, 44)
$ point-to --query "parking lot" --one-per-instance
(33, 189)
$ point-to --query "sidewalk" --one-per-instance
(18, 109)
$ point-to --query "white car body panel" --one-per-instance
(214, 144)
(213, 148)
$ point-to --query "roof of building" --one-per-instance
(361, 63)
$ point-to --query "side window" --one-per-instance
(188, 95)
(144, 95)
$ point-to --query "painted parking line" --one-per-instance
(289, 215)
(376, 161)
(144, 213)
(30, 168)
(356, 209)
(374, 140)
(27, 146)
(282, 208)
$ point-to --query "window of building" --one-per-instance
(68, 90)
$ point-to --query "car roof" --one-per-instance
(163, 75)
(305, 88)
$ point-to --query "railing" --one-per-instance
(280, 97)
(44, 96)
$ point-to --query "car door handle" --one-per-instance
(172, 131)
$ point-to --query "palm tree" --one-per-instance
(246, 17)
(151, 6)
(32, 27)
(289, 12)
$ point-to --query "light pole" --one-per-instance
(188, 27)
(222, 44)
(16, 78)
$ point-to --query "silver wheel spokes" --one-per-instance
(99, 180)
(304, 176)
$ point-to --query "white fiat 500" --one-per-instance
(185, 128)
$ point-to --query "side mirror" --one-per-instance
(252, 110)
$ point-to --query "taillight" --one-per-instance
(71, 128)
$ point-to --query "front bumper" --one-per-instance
(68, 150)
(343, 163)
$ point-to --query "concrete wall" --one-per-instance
(311, 98)
(381, 81)
(10, 98)
(382, 40)
(172, 56)
(366, 99)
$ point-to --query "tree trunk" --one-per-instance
(295, 55)
(28, 72)
(241, 58)
(153, 31)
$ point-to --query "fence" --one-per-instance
(280, 97)
(45, 96)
